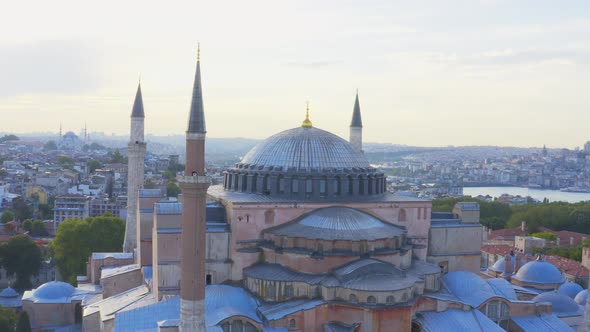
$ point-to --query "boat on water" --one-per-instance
(575, 190)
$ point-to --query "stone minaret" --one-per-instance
(356, 126)
(194, 186)
(136, 155)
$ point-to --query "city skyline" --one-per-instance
(462, 73)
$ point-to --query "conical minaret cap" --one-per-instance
(196, 120)
(138, 104)
(356, 113)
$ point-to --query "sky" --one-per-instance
(428, 73)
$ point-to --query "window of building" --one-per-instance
(402, 215)
(292, 324)
(281, 185)
(352, 298)
(270, 291)
(208, 279)
(289, 292)
(390, 300)
(295, 185)
(308, 186)
(323, 188)
(371, 300)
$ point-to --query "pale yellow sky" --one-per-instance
(428, 73)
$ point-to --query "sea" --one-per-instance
(539, 194)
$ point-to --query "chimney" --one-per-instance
(507, 266)
(517, 262)
(571, 240)
(523, 226)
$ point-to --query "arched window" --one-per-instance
(402, 215)
(371, 300)
(308, 185)
(405, 297)
(294, 185)
(250, 328)
(289, 292)
(390, 300)
(270, 291)
(352, 298)
(323, 186)
(281, 184)
(292, 324)
(237, 325)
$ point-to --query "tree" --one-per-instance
(93, 165)
(21, 257)
(7, 138)
(7, 319)
(7, 216)
(117, 157)
(76, 239)
(545, 235)
(50, 145)
(172, 190)
(23, 325)
(22, 209)
(38, 228)
(28, 225)
(65, 162)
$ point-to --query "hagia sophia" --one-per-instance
(301, 235)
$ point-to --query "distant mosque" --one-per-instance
(302, 235)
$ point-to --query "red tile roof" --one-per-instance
(505, 234)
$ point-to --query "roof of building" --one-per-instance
(302, 149)
(9, 298)
(562, 305)
(221, 302)
(539, 272)
(468, 206)
(120, 302)
(137, 111)
(582, 297)
(278, 310)
(505, 234)
(456, 320)
(340, 327)
(56, 292)
(107, 272)
(474, 290)
(570, 289)
(536, 323)
(150, 193)
(115, 255)
(338, 223)
(499, 264)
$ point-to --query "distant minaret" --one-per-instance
(356, 126)
(194, 186)
(60, 130)
(85, 133)
(136, 155)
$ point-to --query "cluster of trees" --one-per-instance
(35, 228)
(77, 239)
(172, 189)
(10, 321)
(9, 137)
(117, 157)
(574, 253)
(556, 216)
(50, 145)
(21, 257)
(93, 147)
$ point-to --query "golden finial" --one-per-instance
(198, 51)
(306, 123)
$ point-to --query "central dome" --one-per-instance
(303, 149)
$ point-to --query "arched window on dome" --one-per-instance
(338, 190)
(371, 300)
(281, 184)
(266, 185)
(350, 185)
(323, 186)
(289, 292)
(270, 291)
(294, 185)
(308, 185)
(402, 215)
(362, 183)
(390, 300)
(352, 298)
(371, 182)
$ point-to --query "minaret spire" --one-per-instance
(196, 120)
(136, 149)
(194, 186)
(356, 126)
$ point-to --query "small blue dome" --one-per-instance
(499, 264)
(539, 272)
(570, 289)
(560, 303)
(582, 297)
(54, 290)
(8, 292)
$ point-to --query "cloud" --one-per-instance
(62, 67)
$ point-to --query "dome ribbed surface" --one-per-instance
(302, 149)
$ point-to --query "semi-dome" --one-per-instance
(582, 297)
(570, 289)
(305, 163)
(338, 223)
(539, 272)
(561, 303)
(303, 149)
(54, 290)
